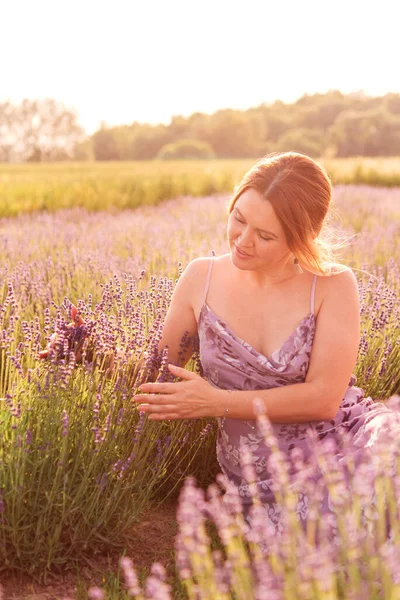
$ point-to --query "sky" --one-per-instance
(145, 60)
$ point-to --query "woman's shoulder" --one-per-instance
(196, 274)
(200, 265)
(197, 267)
(339, 275)
(340, 284)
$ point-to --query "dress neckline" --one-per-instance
(245, 344)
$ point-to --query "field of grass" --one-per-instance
(79, 465)
(117, 185)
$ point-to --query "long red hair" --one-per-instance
(300, 192)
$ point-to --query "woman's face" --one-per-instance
(254, 229)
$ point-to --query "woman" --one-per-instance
(274, 315)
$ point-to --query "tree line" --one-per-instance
(330, 125)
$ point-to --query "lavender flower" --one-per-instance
(96, 593)
(156, 587)
(131, 579)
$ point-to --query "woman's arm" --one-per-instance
(179, 323)
(180, 319)
(333, 357)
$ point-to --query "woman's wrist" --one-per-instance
(222, 403)
(226, 413)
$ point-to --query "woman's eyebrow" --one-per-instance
(262, 230)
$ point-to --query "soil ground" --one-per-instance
(152, 541)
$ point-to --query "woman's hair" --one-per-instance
(299, 191)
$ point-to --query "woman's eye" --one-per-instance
(266, 239)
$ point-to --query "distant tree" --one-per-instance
(198, 127)
(122, 141)
(147, 140)
(6, 139)
(306, 141)
(104, 144)
(331, 124)
(179, 128)
(365, 133)
(5, 154)
(84, 150)
(35, 155)
(38, 130)
(184, 149)
(392, 103)
(231, 134)
(319, 110)
(278, 118)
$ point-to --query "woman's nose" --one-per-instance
(245, 237)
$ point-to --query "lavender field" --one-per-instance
(79, 464)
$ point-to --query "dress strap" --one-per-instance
(208, 279)
(313, 294)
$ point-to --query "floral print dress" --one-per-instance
(229, 362)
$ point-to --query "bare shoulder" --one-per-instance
(339, 292)
(195, 277)
(199, 264)
(341, 283)
(197, 269)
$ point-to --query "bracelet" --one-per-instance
(229, 401)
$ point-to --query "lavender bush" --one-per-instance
(352, 554)
(78, 462)
(347, 556)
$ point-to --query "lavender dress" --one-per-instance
(229, 362)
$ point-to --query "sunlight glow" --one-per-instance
(131, 61)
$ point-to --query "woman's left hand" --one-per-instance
(191, 398)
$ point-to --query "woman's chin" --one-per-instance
(241, 264)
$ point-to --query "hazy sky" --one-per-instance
(141, 60)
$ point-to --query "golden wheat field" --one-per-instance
(26, 188)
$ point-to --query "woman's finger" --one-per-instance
(152, 398)
(154, 409)
(159, 388)
(183, 373)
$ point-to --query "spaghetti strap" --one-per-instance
(313, 294)
(208, 279)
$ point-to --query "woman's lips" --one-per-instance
(241, 254)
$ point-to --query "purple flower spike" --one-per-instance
(156, 587)
(96, 593)
(131, 579)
